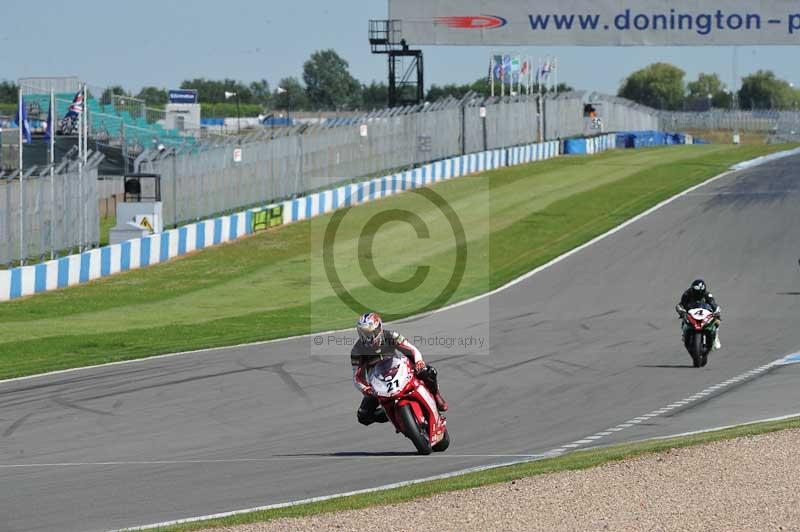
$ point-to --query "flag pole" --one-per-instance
(491, 73)
(51, 129)
(84, 220)
(81, 120)
(21, 125)
(530, 74)
(539, 108)
(503, 80)
(555, 75)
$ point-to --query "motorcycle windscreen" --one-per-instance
(390, 376)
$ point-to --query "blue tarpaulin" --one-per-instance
(575, 146)
(642, 139)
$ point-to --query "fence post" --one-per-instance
(21, 124)
(175, 186)
(463, 127)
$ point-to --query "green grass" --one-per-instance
(273, 285)
(106, 224)
(572, 461)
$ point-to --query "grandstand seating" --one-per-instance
(108, 124)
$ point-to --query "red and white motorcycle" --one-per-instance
(699, 333)
(409, 405)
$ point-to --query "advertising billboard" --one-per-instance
(596, 22)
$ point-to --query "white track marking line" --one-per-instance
(443, 476)
(252, 460)
(745, 165)
(550, 454)
(691, 399)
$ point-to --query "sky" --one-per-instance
(161, 43)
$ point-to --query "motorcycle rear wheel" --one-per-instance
(413, 431)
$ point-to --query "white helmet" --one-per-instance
(370, 329)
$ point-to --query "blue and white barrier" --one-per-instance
(644, 139)
(591, 145)
(161, 247)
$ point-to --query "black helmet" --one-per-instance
(698, 286)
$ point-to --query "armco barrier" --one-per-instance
(161, 247)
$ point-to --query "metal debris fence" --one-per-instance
(271, 164)
(59, 212)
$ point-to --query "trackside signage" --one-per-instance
(597, 22)
(182, 96)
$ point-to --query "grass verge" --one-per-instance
(273, 285)
(572, 461)
(106, 224)
(725, 136)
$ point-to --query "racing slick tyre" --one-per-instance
(696, 350)
(413, 431)
(443, 444)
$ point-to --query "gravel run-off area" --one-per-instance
(749, 483)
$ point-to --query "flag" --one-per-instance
(498, 68)
(506, 68)
(547, 68)
(70, 121)
(515, 69)
(22, 122)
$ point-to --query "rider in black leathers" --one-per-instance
(697, 294)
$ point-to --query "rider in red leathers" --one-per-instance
(374, 344)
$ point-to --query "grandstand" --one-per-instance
(134, 130)
(116, 123)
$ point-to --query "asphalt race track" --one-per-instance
(580, 347)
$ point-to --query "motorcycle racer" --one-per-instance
(696, 295)
(374, 344)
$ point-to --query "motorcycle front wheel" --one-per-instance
(413, 431)
(443, 444)
(696, 350)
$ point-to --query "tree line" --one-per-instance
(663, 86)
(328, 85)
